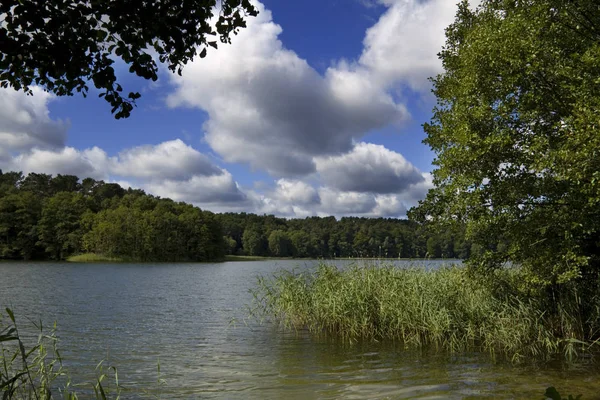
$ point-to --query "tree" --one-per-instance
(59, 224)
(280, 244)
(434, 249)
(39, 184)
(64, 183)
(229, 245)
(301, 243)
(63, 45)
(19, 213)
(516, 131)
(9, 181)
(254, 242)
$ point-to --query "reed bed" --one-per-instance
(447, 309)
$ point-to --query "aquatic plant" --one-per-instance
(448, 308)
(37, 371)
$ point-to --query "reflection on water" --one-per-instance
(192, 318)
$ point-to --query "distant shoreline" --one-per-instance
(92, 257)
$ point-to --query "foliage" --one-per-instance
(254, 242)
(64, 45)
(45, 217)
(516, 134)
(348, 237)
(280, 244)
(447, 308)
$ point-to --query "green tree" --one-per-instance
(19, 214)
(301, 243)
(254, 242)
(59, 225)
(280, 244)
(38, 184)
(516, 132)
(434, 249)
(64, 183)
(64, 46)
(10, 182)
(230, 245)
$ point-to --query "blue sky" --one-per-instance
(315, 109)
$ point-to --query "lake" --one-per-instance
(192, 317)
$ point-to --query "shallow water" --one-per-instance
(192, 317)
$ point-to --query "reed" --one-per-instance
(447, 309)
(35, 370)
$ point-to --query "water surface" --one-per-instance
(192, 317)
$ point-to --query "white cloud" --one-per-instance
(296, 192)
(269, 108)
(66, 161)
(341, 204)
(202, 190)
(171, 160)
(417, 191)
(25, 122)
(389, 206)
(335, 202)
(369, 168)
(402, 46)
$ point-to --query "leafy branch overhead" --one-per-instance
(64, 45)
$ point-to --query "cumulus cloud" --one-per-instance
(369, 168)
(269, 108)
(171, 160)
(296, 199)
(66, 161)
(389, 206)
(342, 204)
(402, 47)
(25, 122)
(296, 192)
(204, 190)
(417, 191)
(335, 202)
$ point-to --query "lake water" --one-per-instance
(192, 317)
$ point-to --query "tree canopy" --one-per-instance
(63, 45)
(55, 217)
(516, 134)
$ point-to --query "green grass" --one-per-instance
(447, 309)
(93, 257)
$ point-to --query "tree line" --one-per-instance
(51, 218)
(45, 217)
(327, 237)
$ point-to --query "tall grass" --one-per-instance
(446, 309)
(36, 371)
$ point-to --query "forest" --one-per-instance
(45, 217)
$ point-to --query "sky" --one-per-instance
(316, 108)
